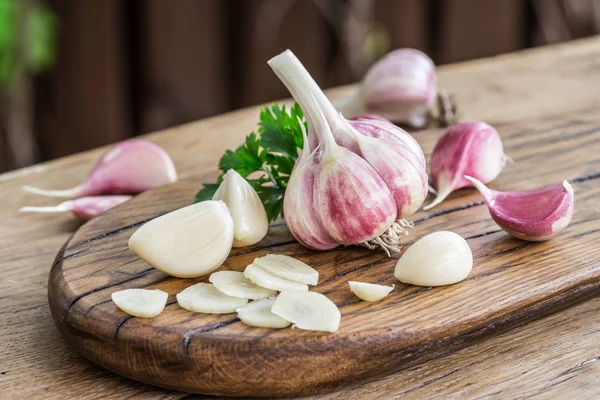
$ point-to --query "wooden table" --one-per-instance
(555, 357)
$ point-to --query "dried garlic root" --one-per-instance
(369, 291)
(307, 310)
(234, 283)
(258, 313)
(262, 278)
(142, 303)
(206, 298)
(289, 268)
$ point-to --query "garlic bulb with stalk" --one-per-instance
(359, 197)
(471, 148)
(401, 87)
(534, 215)
(249, 216)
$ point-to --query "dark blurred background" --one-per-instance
(77, 74)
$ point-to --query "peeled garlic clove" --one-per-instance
(308, 310)
(471, 148)
(262, 278)
(249, 216)
(534, 215)
(206, 298)
(234, 283)
(289, 268)
(440, 258)
(142, 303)
(369, 291)
(188, 242)
(258, 313)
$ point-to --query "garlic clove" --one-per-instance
(188, 242)
(440, 258)
(84, 208)
(142, 303)
(534, 215)
(369, 291)
(308, 310)
(471, 148)
(289, 268)
(206, 298)
(262, 278)
(234, 283)
(249, 216)
(258, 313)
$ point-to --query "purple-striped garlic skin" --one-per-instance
(401, 87)
(84, 208)
(534, 215)
(471, 148)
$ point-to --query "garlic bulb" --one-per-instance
(142, 303)
(249, 216)
(264, 279)
(471, 148)
(345, 192)
(440, 258)
(258, 313)
(308, 310)
(205, 298)
(188, 242)
(286, 267)
(534, 215)
(369, 291)
(234, 283)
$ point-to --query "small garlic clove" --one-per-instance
(369, 291)
(440, 258)
(534, 215)
(308, 310)
(289, 268)
(249, 216)
(142, 303)
(258, 313)
(234, 283)
(188, 242)
(206, 298)
(262, 278)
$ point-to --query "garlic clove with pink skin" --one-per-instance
(129, 167)
(471, 148)
(84, 208)
(533, 215)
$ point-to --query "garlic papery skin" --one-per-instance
(188, 242)
(440, 258)
(249, 216)
(369, 291)
(471, 148)
(534, 215)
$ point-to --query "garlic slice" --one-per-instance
(289, 268)
(234, 283)
(206, 298)
(440, 258)
(258, 313)
(369, 291)
(308, 310)
(262, 278)
(188, 242)
(248, 213)
(142, 303)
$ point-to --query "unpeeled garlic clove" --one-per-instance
(308, 310)
(440, 258)
(234, 283)
(369, 291)
(206, 298)
(142, 303)
(262, 278)
(258, 313)
(286, 267)
(188, 242)
(249, 216)
(534, 215)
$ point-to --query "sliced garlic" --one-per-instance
(307, 310)
(140, 302)
(258, 313)
(262, 278)
(248, 213)
(440, 258)
(289, 268)
(234, 283)
(205, 298)
(188, 242)
(369, 291)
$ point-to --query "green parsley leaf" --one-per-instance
(246, 159)
(207, 192)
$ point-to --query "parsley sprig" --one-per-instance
(268, 156)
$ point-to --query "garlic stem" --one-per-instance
(63, 194)
(56, 209)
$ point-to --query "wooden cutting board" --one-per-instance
(512, 282)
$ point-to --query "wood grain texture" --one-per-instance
(555, 357)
